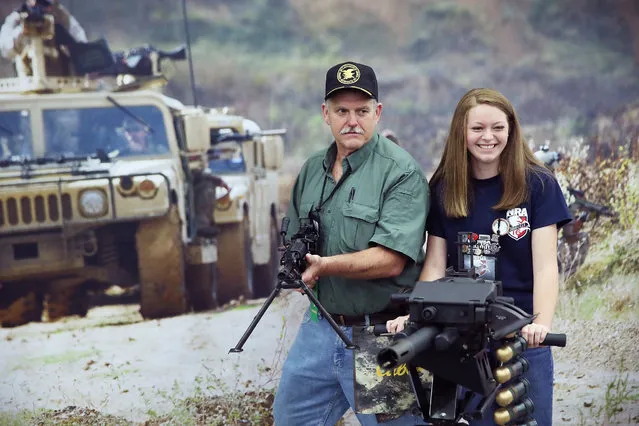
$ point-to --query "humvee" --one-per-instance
(82, 210)
(248, 159)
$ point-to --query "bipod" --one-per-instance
(298, 283)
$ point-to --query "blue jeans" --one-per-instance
(317, 385)
(540, 375)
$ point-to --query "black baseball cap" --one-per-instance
(351, 75)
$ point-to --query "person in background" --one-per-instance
(205, 184)
(549, 158)
(488, 182)
(139, 139)
(390, 135)
(12, 39)
(371, 199)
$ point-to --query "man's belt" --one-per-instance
(360, 320)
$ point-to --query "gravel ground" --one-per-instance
(595, 356)
(114, 363)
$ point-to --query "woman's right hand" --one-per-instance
(396, 325)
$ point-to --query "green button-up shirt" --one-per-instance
(382, 199)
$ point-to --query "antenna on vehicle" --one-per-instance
(188, 46)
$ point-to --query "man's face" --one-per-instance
(352, 117)
(137, 138)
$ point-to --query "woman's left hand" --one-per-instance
(534, 334)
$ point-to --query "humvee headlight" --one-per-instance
(92, 203)
(126, 186)
(147, 189)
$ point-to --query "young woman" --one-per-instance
(488, 182)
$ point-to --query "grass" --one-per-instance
(606, 284)
(619, 393)
(66, 357)
(616, 299)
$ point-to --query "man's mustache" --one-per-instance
(356, 129)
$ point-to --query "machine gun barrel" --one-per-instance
(406, 348)
(587, 205)
(595, 208)
(247, 136)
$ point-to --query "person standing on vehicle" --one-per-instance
(371, 198)
(12, 40)
(488, 182)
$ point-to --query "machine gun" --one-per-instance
(574, 243)
(94, 58)
(453, 324)
(217, 138)
(145, 60)
(292, 264)
(587, 207)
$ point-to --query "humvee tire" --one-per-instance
(25, 306)
(161, 266)
(64, 298)
(265, 276)
(234, 262)
(201, 283)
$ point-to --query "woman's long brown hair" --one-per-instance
(515, 162)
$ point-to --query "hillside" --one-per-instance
(561, 63)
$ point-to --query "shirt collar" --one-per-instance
(355, 159)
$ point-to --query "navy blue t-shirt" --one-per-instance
(504, 250)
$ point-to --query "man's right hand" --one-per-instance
(311, 274)
(396, 325)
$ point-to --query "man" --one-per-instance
(371, 198)
(139, 139)
(390, 135)
(204, 184)
(12, 41)
(548, 157)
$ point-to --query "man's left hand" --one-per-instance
(534, 334)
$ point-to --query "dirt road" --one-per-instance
(117, 363)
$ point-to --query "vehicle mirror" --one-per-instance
(196, 132)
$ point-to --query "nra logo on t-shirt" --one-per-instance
(518, 222)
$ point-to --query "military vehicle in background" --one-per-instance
(80, 209)
(249, 160)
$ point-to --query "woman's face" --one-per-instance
(486, 137)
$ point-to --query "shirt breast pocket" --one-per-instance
(358, 226)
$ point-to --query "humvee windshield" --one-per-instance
(77, 131)
(128, 131)
(15, 134)
(225, 157)
(227, 160)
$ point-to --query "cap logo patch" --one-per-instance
(348, 74)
